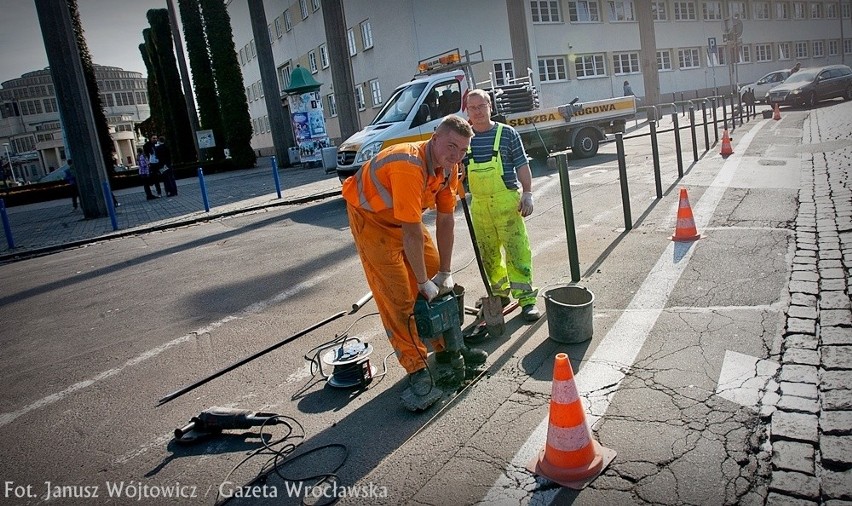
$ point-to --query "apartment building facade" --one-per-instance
(577, 48)
(30, 122)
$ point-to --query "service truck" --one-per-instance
(415, 108)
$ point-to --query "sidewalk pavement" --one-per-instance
(811, 428)
(45, 227)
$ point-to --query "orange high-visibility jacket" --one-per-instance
(404, 179)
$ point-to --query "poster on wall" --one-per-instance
(308, 125)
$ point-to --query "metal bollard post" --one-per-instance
(733, 114)
(275, 177)
(568, 213)
(622, 179)
(706, 133)
(655, 151)
(724, 113)
(203, 190)
(715, 123)
(692, 131)
(110, 206)
(6, 227)
(677, 146)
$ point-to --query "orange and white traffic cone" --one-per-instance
(727, 150)
(685, 230)
(777, 114)
(571, 457)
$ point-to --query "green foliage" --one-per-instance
(202, 74)
(178, 131)
(229, 82)
(155, 123)
(101, 125)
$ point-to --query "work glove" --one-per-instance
(525, 206)
(444, 281)
(428, 289)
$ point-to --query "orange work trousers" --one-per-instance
(378, 238)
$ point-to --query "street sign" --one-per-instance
(205, 139)
(711, 45)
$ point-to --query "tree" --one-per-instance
(101, 125)
(202, 72)
(229, 82)
(155, 123)
(173, 103)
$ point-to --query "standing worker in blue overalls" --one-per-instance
(500, 184)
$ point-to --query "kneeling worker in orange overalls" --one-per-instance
(386, 199)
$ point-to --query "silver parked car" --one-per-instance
(762, 86)
(809, 86)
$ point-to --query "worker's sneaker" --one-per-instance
(530, 313)
(472, 356)
(420, 382)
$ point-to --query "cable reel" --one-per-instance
(351, 364)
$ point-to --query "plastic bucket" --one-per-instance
(569, 313)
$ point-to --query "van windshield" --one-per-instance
(399, 104)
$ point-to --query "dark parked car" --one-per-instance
(809, 86)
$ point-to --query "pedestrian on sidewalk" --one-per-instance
(153, 164)
(167, 173)
(144, 173)
(500, 182)
(627, 89)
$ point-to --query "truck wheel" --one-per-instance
(585, 144)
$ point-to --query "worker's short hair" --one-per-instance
(456, 124)
(479, 92)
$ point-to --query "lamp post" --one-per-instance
(12, 169)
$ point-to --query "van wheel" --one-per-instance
(585, 144)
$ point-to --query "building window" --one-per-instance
(801, 49)
(833, 48)
(847, 46)
(367, 34)
(359, 97)
(545, 11)
(688, 58)
(763, 52)
(685, 11)
(350, 38)
(253, 50)
(846, 11)
(260, 88)
(315, 4)
(375, 92)
(818, 48)
(324, 56)
(831, 11)
(278, 32)
(782, 10)
(242, 57)
(659, 12)
(761, 10)
(589, 65)
(711, 11)
(784, 51)
(664, 60)
(584, 11)
(744, 55)
(816, 11)
(738, 10)
(303, 8)
(312, 62)
(284, 76)
(503, 72)
(621, 11)
(332, 105)
(552, 69)
(625, 63)
(288, 24)
(798, 10)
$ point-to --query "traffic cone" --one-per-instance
(726, 144)
(571, 457)
(777, 114)
(685, 230)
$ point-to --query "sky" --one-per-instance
(113, 30)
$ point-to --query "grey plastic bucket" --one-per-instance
(569, 313)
